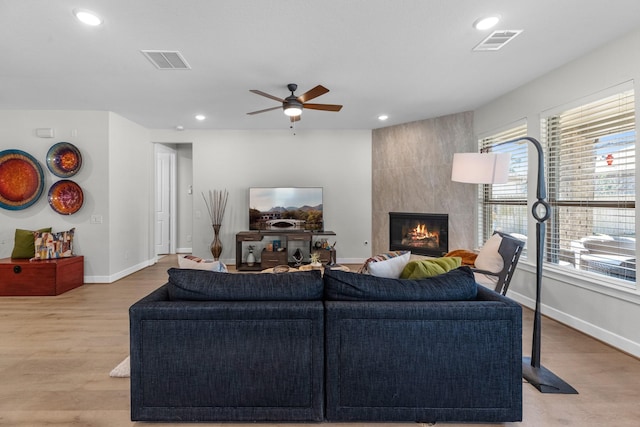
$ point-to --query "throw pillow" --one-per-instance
(388, 264)
(53, 245)
(488, 258)
(456, 285)
(198, 285)
(196, 263)
(23, 246)
(419, 269)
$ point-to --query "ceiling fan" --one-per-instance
(293, 105)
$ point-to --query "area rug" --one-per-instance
(123, 370)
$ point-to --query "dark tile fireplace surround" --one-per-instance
(420, 233)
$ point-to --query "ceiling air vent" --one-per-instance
(497, 40)
(166, 60)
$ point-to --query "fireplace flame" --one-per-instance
(420, 232)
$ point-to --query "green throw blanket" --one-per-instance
(420, 269)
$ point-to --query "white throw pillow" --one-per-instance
(488, 258)
(195, 263)
(390, 268)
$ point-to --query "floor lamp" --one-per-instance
(493, 168)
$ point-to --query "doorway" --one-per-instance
(165, 199)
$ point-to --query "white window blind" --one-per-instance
(591, 187)
(503, 207)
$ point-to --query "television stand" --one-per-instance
(287, 240)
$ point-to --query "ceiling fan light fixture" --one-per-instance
(292, 111)
(292, 107)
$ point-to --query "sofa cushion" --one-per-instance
(421, 268)
(388, 264)
(23, 246)
(53, 245)
(456, 285)
(200, 285)
(489, 258)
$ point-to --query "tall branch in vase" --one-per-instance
(216, 204)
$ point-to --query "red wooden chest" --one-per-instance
(21, 277)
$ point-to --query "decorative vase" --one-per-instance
(251, 259)
(216, 246)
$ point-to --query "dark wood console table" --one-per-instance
(269, 259)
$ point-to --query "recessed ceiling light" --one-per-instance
(200, 117)
(383, 117)
(486, 22)
(87, 17)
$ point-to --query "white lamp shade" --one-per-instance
(481, 168)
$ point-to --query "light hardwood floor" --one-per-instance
(56, 354)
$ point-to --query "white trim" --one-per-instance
(610, 91)
(590, 329)
(117, 276)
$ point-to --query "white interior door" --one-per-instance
(165, 194)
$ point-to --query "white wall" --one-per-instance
(185, 200)
(338, 161)
(607, 312)
(114, 178)
(131, 174)
(87, 130)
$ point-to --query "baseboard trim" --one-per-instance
(119, 275)
(614, 340)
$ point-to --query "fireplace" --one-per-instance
(420, 233)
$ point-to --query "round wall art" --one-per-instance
(64, 159)
(21, 180)
(65, 197)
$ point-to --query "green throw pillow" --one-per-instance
(23, 246)
(419, 269)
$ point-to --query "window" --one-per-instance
(503, 207)
(590, 154)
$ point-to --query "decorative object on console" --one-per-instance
(315, 260)
(216, 205)
(492, 168)
(297, 257)
(53, 245)
(23, 243)
(251, 258)
(64, 159)
(65, 197)
(21, 180)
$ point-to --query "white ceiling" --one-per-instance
(410, 59)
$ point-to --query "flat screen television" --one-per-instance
(286, 208)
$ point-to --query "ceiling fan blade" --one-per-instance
(259, 92)
(266, 109)
(295, 118)
(324, 107)
(313, 93)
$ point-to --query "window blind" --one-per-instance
(591, 186)
(503, 207)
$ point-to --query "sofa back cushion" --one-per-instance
(200, 285)
(456, 285)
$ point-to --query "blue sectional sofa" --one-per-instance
(345, 347)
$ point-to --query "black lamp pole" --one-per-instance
(536, 374)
